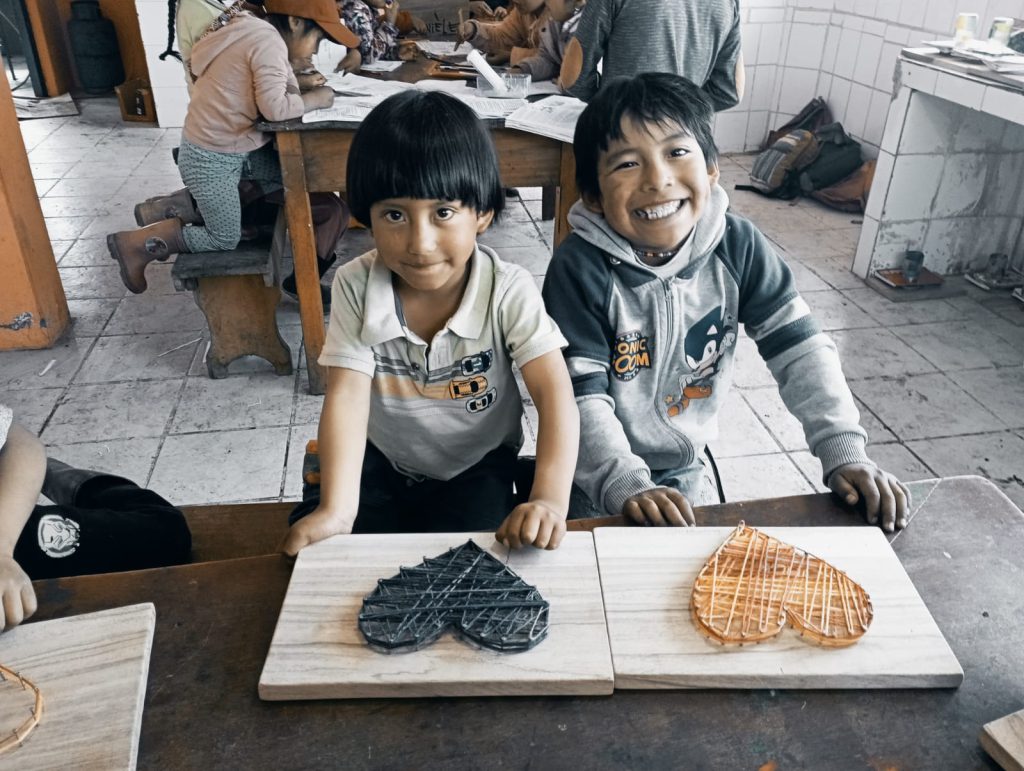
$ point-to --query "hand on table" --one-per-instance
(352, 61)
(659, 506)
(310, 80)
(320, 524)
(418, 25)
(17, 597)
(886, 499)
(318, 98)
(535, 523)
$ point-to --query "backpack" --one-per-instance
(837, 158)
(813, 116)
(776, 170)
(850, 193)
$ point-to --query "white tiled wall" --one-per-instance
(842, 50)
(948, 180)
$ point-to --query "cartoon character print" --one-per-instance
(58, 536)
(474, 387)
(705, 344)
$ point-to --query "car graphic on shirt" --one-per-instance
(463, 389)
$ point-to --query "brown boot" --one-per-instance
(178, 204)
(135, 249)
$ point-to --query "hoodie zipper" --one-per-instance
(672, 334)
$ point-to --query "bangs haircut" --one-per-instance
(426, 145)
(651, 98)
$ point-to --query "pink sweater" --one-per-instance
(242, 73)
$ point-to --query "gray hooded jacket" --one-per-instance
(652, 359)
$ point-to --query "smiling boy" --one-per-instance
(650, 290)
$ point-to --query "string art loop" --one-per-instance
(21, 732)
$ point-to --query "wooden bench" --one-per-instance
(238, 292)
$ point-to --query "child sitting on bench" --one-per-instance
(421, 424)
(242, 68)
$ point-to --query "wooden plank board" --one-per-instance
(92, 672)
(1003, 739)
(318, 652)
(648, 577)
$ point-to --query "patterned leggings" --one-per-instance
(213, 178)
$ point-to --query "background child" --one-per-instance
(100, 523)
(547, 62)
(697, 39)
(650, 289)
(514, 38)
(421, 424)
(375, 24)
(243, 71)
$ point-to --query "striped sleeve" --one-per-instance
(802, 359)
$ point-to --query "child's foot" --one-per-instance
(289, 288)
(135, 249)
(178, 204)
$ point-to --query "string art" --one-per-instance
(753, 584)
(19, 734)
(465, 589)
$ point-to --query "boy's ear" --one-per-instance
(296, 24)
(483, 221)
(714, 173)
(592, 202)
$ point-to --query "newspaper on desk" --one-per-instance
(443, 48)
(348, 84)
(346, 109)
(553, 117)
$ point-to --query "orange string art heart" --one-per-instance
(754, 583)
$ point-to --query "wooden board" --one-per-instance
(318, 652)
(92, 672)
(1003, 739)
(648, 576)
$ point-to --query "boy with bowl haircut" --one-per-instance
(649, 291)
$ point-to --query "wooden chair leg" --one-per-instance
(240, 313)
(548, 203)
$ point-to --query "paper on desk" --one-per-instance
(380, 66)
(553, 117)
(454, 87)
(357, 85)
(344, 109)
(443, 47)
(492, 108)
(544, 87)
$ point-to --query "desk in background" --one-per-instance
(313, 159)
(964, 550)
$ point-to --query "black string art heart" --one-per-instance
(465, 589)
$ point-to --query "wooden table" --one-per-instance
(313, 159)
(963, 550)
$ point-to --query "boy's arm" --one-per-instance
(22, 468)
(341, 440)
(274, 86)
(724, 86)
(541, 521)
(499, 37)
(579, 76)
(576, 293)
(544, 64)
(805, 364)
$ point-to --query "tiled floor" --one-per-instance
(939, 383)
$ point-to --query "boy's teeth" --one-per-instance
(657, 212)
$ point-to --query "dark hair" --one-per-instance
(423, 144)
(280, 22)
(648, 98)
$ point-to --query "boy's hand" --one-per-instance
(659, 506)
(885, 497)
(351, 62)
(17, 597)
(321, 524)
(418, 25)
(310, 80)
(319, 98)
(391, 12)
(534, 523)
